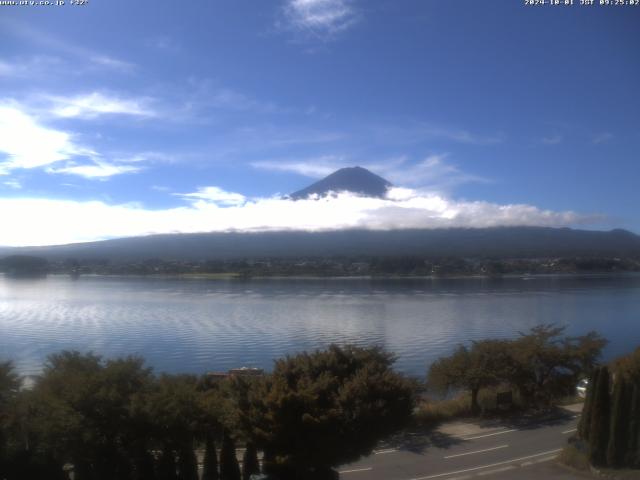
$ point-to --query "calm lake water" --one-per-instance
(202, 325)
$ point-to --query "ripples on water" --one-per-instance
(202, 325)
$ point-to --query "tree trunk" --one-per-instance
(475, 408)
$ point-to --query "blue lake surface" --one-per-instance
(183, 325)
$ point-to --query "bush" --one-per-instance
(574, 458)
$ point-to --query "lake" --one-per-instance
(194, 325)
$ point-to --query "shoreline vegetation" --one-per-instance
(313, 268)
(116, 418)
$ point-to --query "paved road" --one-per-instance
(478, 451)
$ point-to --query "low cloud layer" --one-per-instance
(29, 221)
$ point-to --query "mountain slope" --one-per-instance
(352, 179)
(503, 242)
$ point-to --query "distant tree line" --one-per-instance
(610, 422)
(540, 365)
(24, 266)
(116, 419)
(397, 265)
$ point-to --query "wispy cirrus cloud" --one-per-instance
(554, 139)
(214, 195)
(321, 19)
(98, 169)
(315, 167)
(433, 172)
(95, 104)
(84, 57)
(602, 137)
(13, 183)
(420, 132)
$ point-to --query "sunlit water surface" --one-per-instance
(203, 325)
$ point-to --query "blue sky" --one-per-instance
(124, 118)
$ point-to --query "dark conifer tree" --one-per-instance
(250, 464)
(600, 417)
(187, 464)
(210, 467)
(585, 419)
(166, 466)
(632, 457)
(618, 429)
(229, 468)
(143, 466)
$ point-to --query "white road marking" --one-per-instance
(505, 462)
(355, 470)
(496, 470)
(477, 451)
(491, 434)
(569, 431)
(382, 452)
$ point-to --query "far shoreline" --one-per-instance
(243, 278)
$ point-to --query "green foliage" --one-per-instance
(632, 456)
(599, 428)
(483, 365)
(619, 424)
(187, 463)
(166, 467)
(250, 464)
(587, 409)
(229, 468)
(24, 265)
(210, 464)
(574, 458)
(547, 365)
(330, 407)
(541, 365)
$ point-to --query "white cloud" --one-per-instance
(214, 194)
(111, 63)
(28, 144)
(552, 139)
(13, 183)
(602, 138)
(98, 170)
(95, 104)
(31, 221)
(311, 167)
(320, 18)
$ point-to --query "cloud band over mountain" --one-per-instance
(32, 221)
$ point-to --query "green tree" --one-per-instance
(587, 409)
(9, 390)
(166, 465)
(187, 463)
(483, 365)
(229, 468)
(599, 428)
(619, 424)
(250, 464)
(632, 456)
(546, 365)
(322, 409)
(210, 464)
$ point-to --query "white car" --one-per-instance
(581, 389)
